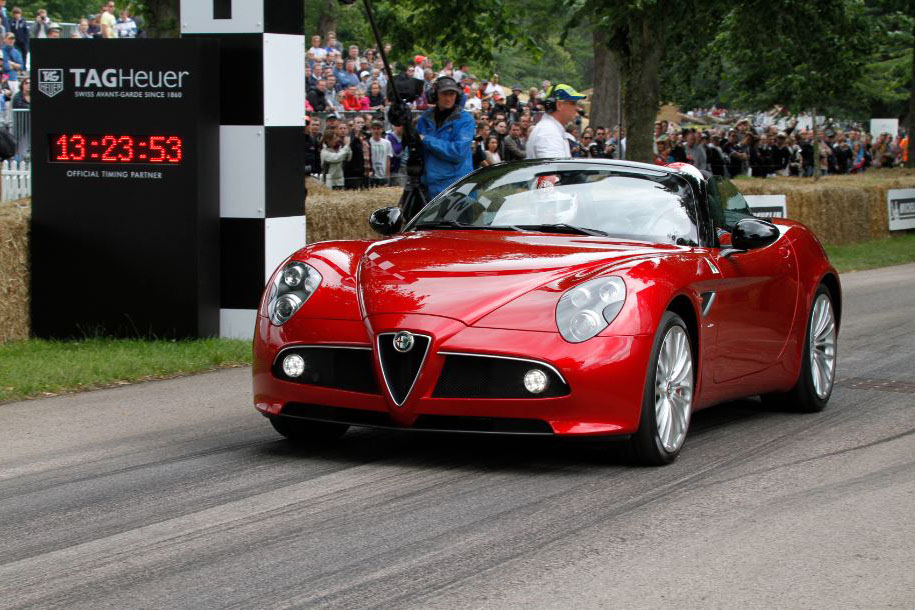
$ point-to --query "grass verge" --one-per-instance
(36, 368)
(895, 250)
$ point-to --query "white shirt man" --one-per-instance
(473, 103)
(547, 140)
(317, 51)
(382, 153)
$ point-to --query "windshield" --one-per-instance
(627, 203)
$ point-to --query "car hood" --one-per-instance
(465, 275)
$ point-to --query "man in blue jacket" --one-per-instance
(446, 132)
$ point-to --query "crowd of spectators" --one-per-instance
(347, 87)
(769, 151)
(16, 32)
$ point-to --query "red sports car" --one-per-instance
(569, 298)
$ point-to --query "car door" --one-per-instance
(755, 297)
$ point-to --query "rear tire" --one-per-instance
(307, 432)
(818, 366)
(667, 400)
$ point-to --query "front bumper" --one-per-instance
(605, 377)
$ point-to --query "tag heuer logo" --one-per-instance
(50, 81)
(403, 341)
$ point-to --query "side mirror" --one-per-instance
(751, 233)
(386, 221)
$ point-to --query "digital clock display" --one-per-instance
(115, 149)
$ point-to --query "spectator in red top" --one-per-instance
(362, 100)
(350, 101)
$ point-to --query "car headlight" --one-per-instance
(292, 286)
(587, 309)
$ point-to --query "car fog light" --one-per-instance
(293, 365)
(536, 381)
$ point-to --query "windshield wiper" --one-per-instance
(453, 224)
(561, 227)
(444, 224)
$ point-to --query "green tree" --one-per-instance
(634, 31)
(891, 72)
(816, 61)
(472, 30)
(160, 17)
(69, 11)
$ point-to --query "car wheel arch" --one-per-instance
(832, 283)
(684, 307)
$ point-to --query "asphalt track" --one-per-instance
(176, 494)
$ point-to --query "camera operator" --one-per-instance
(547, 140)
(446, 132)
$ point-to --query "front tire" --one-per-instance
(667, 401)
(307, 432)
(818, 367)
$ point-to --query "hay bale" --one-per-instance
(839, 209)
(316, 187)
(345, 214)
(14, 270)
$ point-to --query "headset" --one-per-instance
(549, 102)
(432, 96)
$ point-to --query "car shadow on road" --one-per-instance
(533, 454)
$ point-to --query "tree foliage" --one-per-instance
(470, 31)
(633, 29)
(70, 11)
(813, 62)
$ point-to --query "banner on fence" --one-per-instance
(768, 206)
(890, 126)
(901, 207)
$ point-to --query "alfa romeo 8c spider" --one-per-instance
(567, 297)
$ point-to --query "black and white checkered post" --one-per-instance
(262, 146)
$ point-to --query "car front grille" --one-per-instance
(400, 369)
(340, 367)
(484, 376)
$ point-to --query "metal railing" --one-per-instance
(20, 126)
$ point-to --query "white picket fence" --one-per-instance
(16, 179)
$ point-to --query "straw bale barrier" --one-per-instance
(14, 270)
(344, 214)
(839, 209)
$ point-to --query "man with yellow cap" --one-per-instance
(548, 138)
